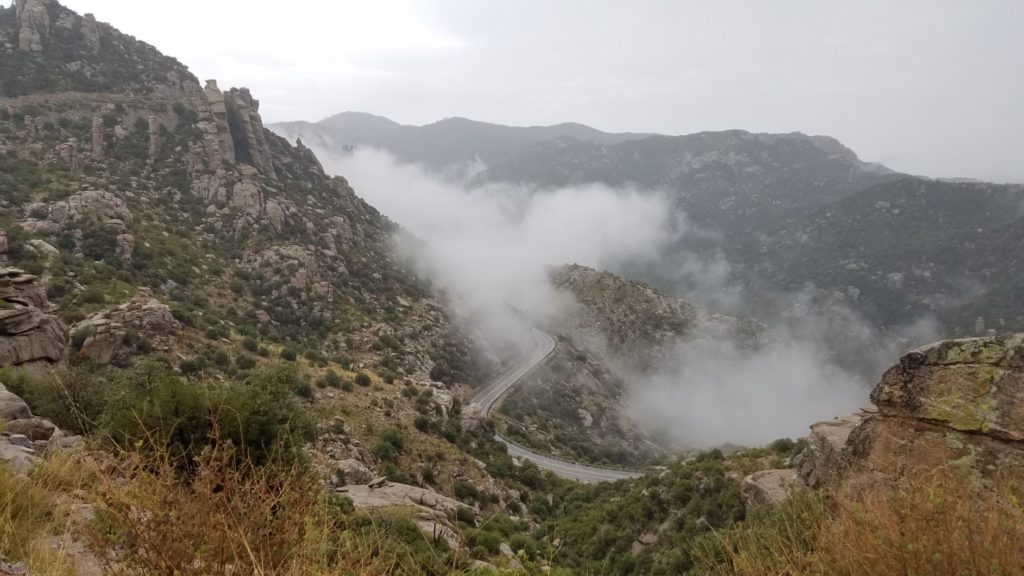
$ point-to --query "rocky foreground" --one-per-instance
(956, 404)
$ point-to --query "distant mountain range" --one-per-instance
(452, 141)
(788, 210)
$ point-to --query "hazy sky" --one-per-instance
(934, 87)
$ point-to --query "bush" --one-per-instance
(245, 362)
(92, 295)
(464, 490)
(385, 451)
(526, 544)
(363, 379)
(221, 359)
(332, 379)
(192, 366)
(422, 423)
(465, 515)
(485, 540)
(393, 437)
(250, 344)
(288, 354)
(304, 390)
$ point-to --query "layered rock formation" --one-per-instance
(24, 437)
(954, 405)
(137, 326)
(29, 334)
(248, 132)
(34, 22)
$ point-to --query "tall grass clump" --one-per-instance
(942, 523)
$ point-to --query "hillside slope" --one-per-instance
(120, 172)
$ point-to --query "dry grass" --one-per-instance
(941, 524)
(35, 515)
(225, 518)
(246, 520)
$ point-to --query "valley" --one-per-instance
(355, 346)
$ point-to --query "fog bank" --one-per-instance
(488, 249)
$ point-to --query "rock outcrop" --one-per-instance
(24, 437)
(34, 22)
(244, 118)
(97, 137)
(824, 460)
(768, 487)
(92, 207)
(432, 509)
(29, 335)
(91, 33)
(220, 132)
(955, 404)
(473, 418)
(12, 407)
(113, 336)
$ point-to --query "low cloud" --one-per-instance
(489, 248)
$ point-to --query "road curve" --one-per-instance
(544, 345)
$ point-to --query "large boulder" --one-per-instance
(824, 458)
(954, 404)
(29, 335)
(355, 472)
(92, 207)
(974, 385)
(769, 487)
(113, 336)
(35, 429)
(430, 509)
(12, 407)
(473, 417)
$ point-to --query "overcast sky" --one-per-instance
(934, 87)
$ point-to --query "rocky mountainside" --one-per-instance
(446, 144)
(951, 403)
(792, 210)
(121, 173)
(613, 330)
(910, 247)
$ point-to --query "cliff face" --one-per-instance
(29, 334)
(114, 155)
(954, 405)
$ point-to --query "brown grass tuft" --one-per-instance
(942, 524)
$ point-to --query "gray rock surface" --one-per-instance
(769, 487)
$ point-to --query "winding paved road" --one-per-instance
(544, 345)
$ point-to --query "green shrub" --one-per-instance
(465, 515)
(363, 379)
(92, 295)
(288, 354)
(250, 344)
(385, 451)
(245, 362)
(332, 379)
(464, 490)
(394, 437)
(486, 540)
(422, 423)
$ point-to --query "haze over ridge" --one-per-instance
(876, 75)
